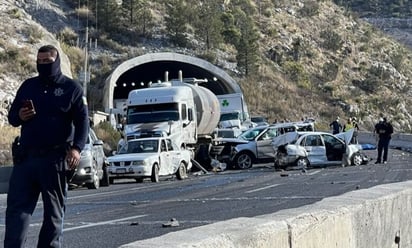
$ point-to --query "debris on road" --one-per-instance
(171, 223)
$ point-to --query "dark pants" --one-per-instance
(36, 174)
(383, 146)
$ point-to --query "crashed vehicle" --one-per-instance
(254, 145)
(149, 158)
(310, 149)
(91, 171)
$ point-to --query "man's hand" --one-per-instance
(73, 158)
(26, 113)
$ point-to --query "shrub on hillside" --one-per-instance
(7, 133)
(109, 135)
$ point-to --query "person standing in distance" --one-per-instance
(53, 116)
(336, 126)
(355, 132)
(384, 131)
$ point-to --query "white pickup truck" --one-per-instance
(149, 158)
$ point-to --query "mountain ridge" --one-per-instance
(321, 83)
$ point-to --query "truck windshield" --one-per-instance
(229, 116)
(153, 113)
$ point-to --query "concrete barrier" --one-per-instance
(5, 173)
(398, 141)
(378, 217)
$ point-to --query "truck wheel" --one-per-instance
(243, 160)
(155, 173)
(181, 172)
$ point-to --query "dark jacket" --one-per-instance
(336, 126)
(384, 130)
(59, 107)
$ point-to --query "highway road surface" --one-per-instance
(127, 211)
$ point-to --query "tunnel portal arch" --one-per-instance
(137, 72)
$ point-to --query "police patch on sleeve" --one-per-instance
(84, 100)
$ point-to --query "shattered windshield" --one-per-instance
(250, 134)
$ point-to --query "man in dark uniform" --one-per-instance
(52, 113)
(336, 126)
(384, 131)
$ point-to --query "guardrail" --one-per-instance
(5, 173)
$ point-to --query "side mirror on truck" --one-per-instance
(190, 114)
(189, 117)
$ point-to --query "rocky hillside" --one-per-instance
(20, 37)
(316, 60)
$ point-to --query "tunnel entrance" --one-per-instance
(140, 76)
(138, 72)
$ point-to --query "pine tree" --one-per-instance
(109, 12)
(208, 23)
(176, 21)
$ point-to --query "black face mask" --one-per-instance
(49, 73)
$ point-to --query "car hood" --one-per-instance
(229, 123)
(284, 139)
(230, 141)
(346, 136)
(130, 157)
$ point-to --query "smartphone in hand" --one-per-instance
(28, 104)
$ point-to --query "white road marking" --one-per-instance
(259, 189)
(103, 223)
(115, 191)
(312, 172)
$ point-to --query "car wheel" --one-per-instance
(139, 179)
(96, 181)
(105, 179)
(243, 161)
(302, 163)
(357, 159)
(155, 173)
(276, 164)
(181, 172)
(111, 180)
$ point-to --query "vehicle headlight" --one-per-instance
(139, 162)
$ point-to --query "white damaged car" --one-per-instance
(254, 145)
(149, 158)
(311, 149)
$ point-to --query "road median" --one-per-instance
(375, 217)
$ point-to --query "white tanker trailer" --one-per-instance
(181, 109)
